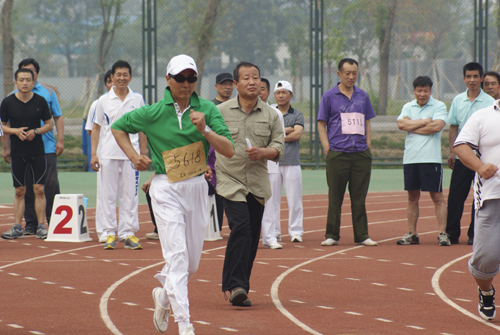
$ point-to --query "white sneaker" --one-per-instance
(329, 241)
(296, 238)
(368, 242)
(160, 317)
(103, 239)
(152, 236)
(273, 246)
(189, 330)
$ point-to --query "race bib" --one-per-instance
(185, 162)
(353, 123)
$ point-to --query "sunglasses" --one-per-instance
(180, 78)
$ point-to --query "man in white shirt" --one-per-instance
(118, 176)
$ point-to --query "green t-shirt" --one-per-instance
(165, 131)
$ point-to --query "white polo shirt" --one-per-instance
(110, 108)
(481, 133)
(90, 117)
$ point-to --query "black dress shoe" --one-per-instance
(470, 241)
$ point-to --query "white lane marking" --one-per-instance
(415, 327)
(203, 280)
(229, 329)
(442, 296)
(404, 289)
(456, 271)
(325, 307)
(298, 301)
(464, 300)
(263, 263)
(13, 325)
(68, 287)
(329, 274)
(36, 332)
(88, 293)
(409, 264)
(379, 284)
(202, 322)
(14, 274)
(352, 313)
(383, 320)
(103, 305)
(48, 282)
(305, 270)
(384, 260)
(129, 303)
(353, 279)
(30, 278)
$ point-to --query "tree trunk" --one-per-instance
(205, 39)
(385, 47)
(107, 34)
(8, 47)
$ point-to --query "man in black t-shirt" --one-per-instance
(21, 114)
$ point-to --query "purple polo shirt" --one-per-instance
(332, 105)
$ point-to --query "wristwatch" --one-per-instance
(36, 131)
(207, 130)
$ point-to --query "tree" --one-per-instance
(204, 35)
(110, 11)
(384, 15)
(8, 47)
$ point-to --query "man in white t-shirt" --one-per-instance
(271, 218)
(118, 178)
(480, 133)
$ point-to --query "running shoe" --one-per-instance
(110, 243)
(41, 231)
(189, 330)
(152, 236)
(238, 296)
(296, 238)
(486, 306)
(329, 241)
(15, 232)
(444, 239)
(132, 242)
(160, 317)
(408, 239)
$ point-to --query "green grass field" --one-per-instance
(313, 182)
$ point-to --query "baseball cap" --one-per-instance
(180, 63)
(284, 85)
(222, 77)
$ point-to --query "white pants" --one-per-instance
(290, 177)
(271, 217)
(181, 215)
(117, 179)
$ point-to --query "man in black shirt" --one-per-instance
(21, 114)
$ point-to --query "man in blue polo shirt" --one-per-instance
(344, 130)
(462, 107)
(53, 148)
(423, 119)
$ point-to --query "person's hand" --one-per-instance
(6, 155)
(94, 163)
(141, 162)
(59, 148)
(145, 187)
(198, 119)
(21, 133)
(254, 153)
(487, 171)
(209, 174)
(30, 135)
(451, 161)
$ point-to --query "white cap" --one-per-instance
(284, 85)
(180, 63)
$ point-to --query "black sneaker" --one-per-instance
(486, 306)
(29, 232)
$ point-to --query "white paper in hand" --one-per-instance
(249, 145)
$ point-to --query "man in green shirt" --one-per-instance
(243, 181)
(180, 130)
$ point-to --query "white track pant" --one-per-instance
(291, 179)
(117, 179)
(181, 217)
(271, 217)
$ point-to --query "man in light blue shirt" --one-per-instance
(462, 107)
(423, 119)
(53, 148)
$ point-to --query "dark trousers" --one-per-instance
(218, 203)
(148, 198)
(343, 169)
(460, 183)
(51, 189)
(244, 219)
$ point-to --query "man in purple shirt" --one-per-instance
(345, 134)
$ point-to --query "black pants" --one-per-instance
(51, 189)
(244, 219)
(148, 198)
(460, 183)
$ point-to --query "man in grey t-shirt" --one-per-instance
(290, 175)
